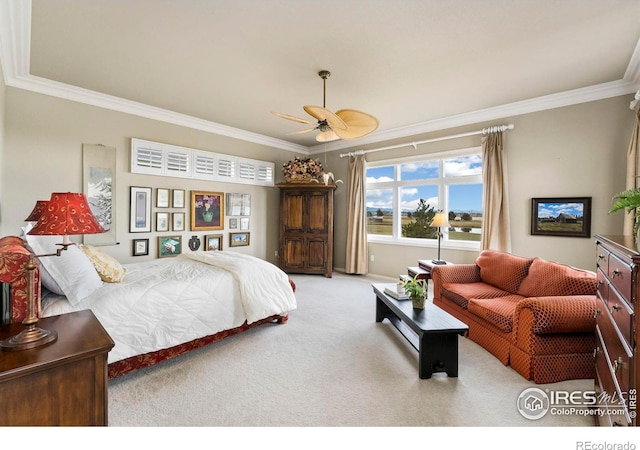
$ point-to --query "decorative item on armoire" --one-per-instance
(302, 170)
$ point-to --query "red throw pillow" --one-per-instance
(548, 278)
(503, 270)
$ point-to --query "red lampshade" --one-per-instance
(66, 214)
(37, 211)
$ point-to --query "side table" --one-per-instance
(62, 383)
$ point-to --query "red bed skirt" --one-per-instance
(133, 363)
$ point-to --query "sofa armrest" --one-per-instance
(453, 273)
(558, 314)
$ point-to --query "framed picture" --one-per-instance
(178, 221)
(563, 216)
(238, 204)
(162, 198)
(207, 210)
(140, 247)
(233, 223)
(178, 198)
(213, 242)
(140, 210)
(238, 239)
(162, 221)
(169, 246)
(99, 179)
(244, 223)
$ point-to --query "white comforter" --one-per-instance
(170, 301)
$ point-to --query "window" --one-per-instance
(403, 196)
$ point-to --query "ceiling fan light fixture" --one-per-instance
(344, 124)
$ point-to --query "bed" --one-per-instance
(153, 310)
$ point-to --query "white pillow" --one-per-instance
(72, 270)
(46, 279)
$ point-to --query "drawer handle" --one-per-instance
(600, 256)
(600, 283)
(615, 308)
(617, 364)
(615, 273)
(597, 313)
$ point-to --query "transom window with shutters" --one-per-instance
(402, 197)
(154, 158)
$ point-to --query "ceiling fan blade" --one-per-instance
(327, 136)
(321, 114)
(358, 124)
(304, 131)
(294, 118)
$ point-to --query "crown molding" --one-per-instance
(15, 53)
(567, 98)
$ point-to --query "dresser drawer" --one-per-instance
(602, 258)
(602, 285)
(608, 391)
(620, 274)
(622, 315)
(617, 352)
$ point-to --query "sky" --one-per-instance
(555, 209)
(462, 197)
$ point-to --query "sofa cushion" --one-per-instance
(497, 311)
(548, 278)
(460, 293)
(503, 270)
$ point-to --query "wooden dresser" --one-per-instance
(617, 365)
(61, 383)
(306, 228)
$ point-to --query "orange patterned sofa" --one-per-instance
(536, 316)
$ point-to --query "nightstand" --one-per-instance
(61, 383)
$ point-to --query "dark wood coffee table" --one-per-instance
(432, 331)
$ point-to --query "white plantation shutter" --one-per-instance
(226, 168)
(177, 162)
(173, 161)
(204, 165)
(265, 174)
(247, 171)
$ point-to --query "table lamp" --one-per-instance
(439, 221)
(64, 214)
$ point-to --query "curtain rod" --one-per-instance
(494, 129)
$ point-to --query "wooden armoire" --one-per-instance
(306, 228)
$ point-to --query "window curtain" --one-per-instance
(357, 252)
(496, 227)
(633, 167)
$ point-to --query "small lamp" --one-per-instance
(65, 214)
(439, 221)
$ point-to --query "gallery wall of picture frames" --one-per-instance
(153, 206)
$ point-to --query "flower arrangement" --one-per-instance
(302, 169)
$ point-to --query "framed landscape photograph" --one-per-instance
(207, 211)
(140, 210)
(238, 239)
(169, 246)
(561, 216)
(213, 242)
(140, 247)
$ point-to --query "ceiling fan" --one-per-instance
(343, 124)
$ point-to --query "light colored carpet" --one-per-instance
(330, 365)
